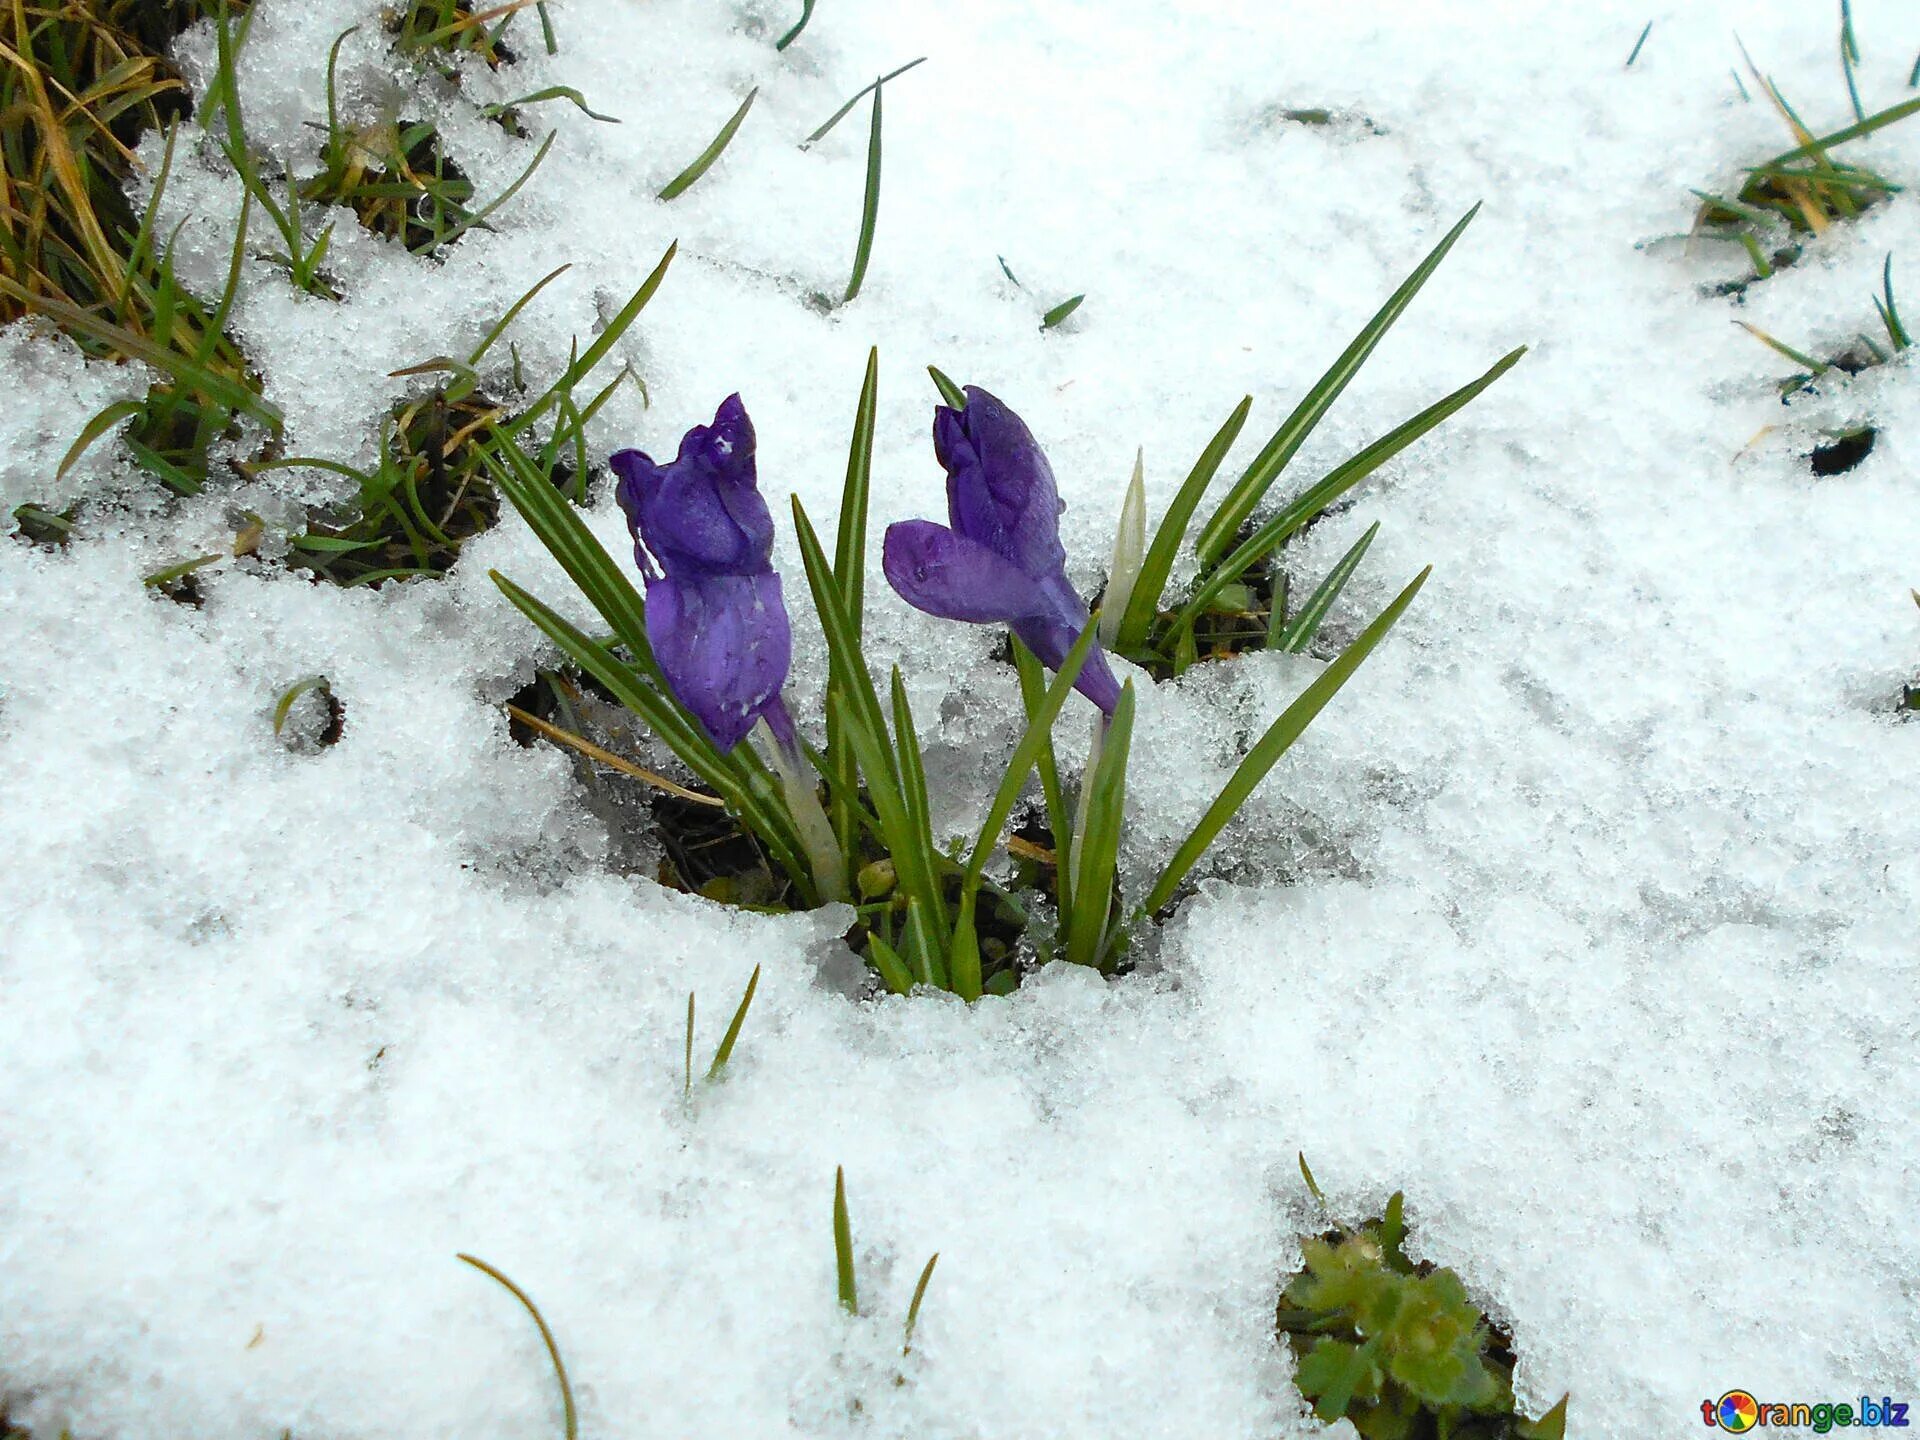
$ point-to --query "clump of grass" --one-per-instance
(432, 489)
(453, 27)
(1801, 191)
(79, 84)
(1396, 1348)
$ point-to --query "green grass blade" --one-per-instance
(949, 392)
(1293, 432)
(99, 425)
(1890, 312)
(892, 968)
(850, 554)
(913, 786)
(870, 205)
(806, 14)
(568, 1418)
(1273, 744)
(682, 182)
(1033, 686)
(1329, 488)
(1061, 311)
(725, 1052)
(864, 724)
(1854, 131)
(1781, 347)
(552, 92)
(963, 953)
(513, 313)
(603, 342)
(843, 1244)
(855, 98)
(919, 1294)
(479, 217)
(1299, 632)
(1637, 44)
(1026, 754)
(1144, 603)
(1098, 843)
(686, 1062)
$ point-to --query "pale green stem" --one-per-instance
(802, 794)
(1129, 551)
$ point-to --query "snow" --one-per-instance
(1586, 914)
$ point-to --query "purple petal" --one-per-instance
(1000, 488)
(1051, 640)
(724, 645)
(945, 574)
(702, 514)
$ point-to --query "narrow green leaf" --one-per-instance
(479, 217)
(686, 1069)
(603, 342)
(1144, 602)
(1097, 845)
(1854, 131)
(1298, 634)
(855, 98)
(963, 954)
(1307, 1175)
(949, 392)
(913, 787)
(1059, 819)
(99, 425)
(870, 205)
(284, 705)
(1637, 44)
(843, 1243)
(1293, 432)
(725, 1052)
(1273, 744)
(806, 14)
(568, 1419)
(1060, 312)
(513, 313)
(850, 555)
(919, 1294)
(1781, 347)
(680, 183)
(1331, 487)
(887, 961)
(552, 92)
(1026, 754)
(924, 956)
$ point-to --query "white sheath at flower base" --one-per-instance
(1129, 551)
(799, 790)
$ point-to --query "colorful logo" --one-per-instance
(1737, 1411)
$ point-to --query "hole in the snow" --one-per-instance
(1844, 452)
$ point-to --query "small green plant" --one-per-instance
(1852, 358)
(451, 27)
(724, 1052)
(1238, 599)
(1398, 1349)
(1801, 191)
(845, 1281)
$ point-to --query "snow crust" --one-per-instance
(1587, 914)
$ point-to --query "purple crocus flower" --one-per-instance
(716, 617)
(1002, 561)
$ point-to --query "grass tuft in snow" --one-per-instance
(1801, 191)
(1396, 1348)
(453, 27)
(79, 85)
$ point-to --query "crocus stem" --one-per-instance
(800, 790)
(1129, 551)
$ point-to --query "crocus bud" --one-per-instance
(1001, 562)
(703, 539)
